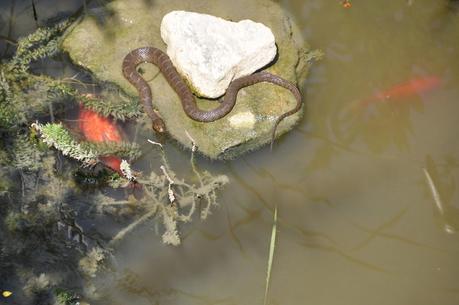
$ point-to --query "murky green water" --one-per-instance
(368, 211)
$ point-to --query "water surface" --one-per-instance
(358, 222)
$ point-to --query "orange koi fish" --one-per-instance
(346, 3)
(407, 89)
(97, 129)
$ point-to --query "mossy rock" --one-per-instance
(103, 37)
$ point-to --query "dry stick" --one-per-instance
(155, 143)
(163, 154)
(34, 9)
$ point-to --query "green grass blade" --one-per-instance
(272, 245)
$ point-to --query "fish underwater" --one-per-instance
(98, 129)
(410, 88)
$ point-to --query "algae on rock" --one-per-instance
(136, 23)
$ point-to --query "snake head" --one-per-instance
(159, 126)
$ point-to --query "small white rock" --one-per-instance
(244, 119)
(210, 52)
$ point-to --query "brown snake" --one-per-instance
(162, 60)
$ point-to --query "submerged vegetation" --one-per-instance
(42, 210)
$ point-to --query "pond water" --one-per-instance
(365, 186)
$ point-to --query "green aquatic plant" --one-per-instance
(8, 113)
(24, 95)
(166, 195)
(44, 181)
(5, 184)
(27, 155)
(129, 151)
(111, 101)
(175, 200)
(65, 297)
(19, 88)
(57, 136)
(42, 43)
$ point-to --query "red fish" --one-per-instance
(407, 89)
(346, 3)
(97, 129)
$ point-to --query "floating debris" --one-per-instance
(125, 168)
(173, 199)
(442, 194)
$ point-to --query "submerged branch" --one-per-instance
(9, 40)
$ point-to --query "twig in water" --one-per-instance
(155, 143)
(210, 197)
(434, 190)
(193, 142)
(163, 154)
(8, 40)
(35, 17)
(272, 245)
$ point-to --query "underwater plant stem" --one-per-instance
(120, 235)
(8, 40)
(272, 245)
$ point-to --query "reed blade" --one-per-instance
(272, 246)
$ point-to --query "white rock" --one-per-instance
(244, 119)
(210, 52)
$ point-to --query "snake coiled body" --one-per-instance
(163, 62)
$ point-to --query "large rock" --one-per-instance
(210, 52)
(101, 40)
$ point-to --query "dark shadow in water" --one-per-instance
(329, 150)
(311, 236)
(251, 215)
(232, 232)
(250, 189)
(346, 256)
(134, 284)
(302, 190)
(11, 23)
(379, 232)
(376, 232)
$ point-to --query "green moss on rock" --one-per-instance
(100, 41)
